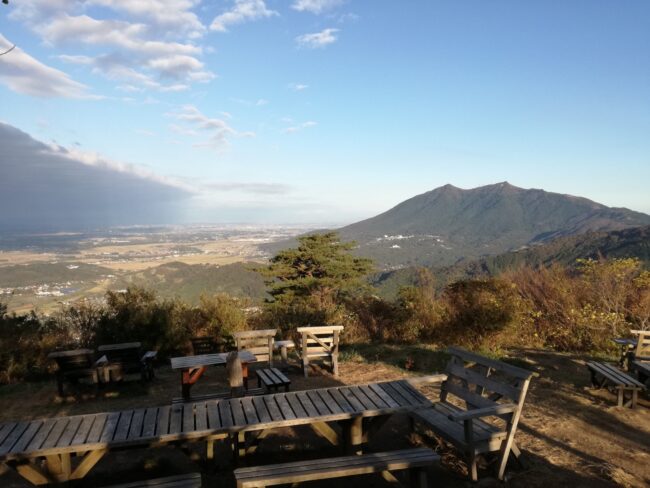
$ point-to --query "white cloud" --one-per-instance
(297, 128)
(157, 53)
(242, 11)
(218, 130)
(318, 39)
(258, 188)
(315, 6)
(24, 74)
(298, 86)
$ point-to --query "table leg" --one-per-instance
(244, 373)
(354, 435)
(188, 378)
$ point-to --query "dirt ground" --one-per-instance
(570, 434)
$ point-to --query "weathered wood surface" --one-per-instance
(198, 420)
(191, 480)
(272, 379)
(258, 342)
(189, 362)
(318, 469)
(480, 383)
(604, 375)
(320, 342)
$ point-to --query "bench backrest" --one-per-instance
(73, 360)
(257, 342)
(642, 350)
(320, 341)
(203, 345)
(126, 353)
(483, 382)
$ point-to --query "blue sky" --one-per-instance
(329, 111)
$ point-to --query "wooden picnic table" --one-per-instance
(627, 345)
(71, 446)
(193, 367)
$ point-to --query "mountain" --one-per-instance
(626, 243)
(440, 227)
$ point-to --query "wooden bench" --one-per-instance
(606, 375)
(478, 383)
(339, 467)
(642, 369)
(272, 379)
(191, 480)
(75, 365)
(320, 343)
(127, 358)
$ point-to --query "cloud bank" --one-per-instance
(46, 186)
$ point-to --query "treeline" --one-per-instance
(580, 308)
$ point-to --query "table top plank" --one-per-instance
(201, 415)
(237, 412)
(27, 436)
(5, 430)
(260, 407)
(122, 429)
(318, 402)
(376, 399)
(162, 426)
(188, 362)
(225, 414)
(352, 400)
(309, 407)
(365, 401)
(189, 423)
(135, 430)
(249, 410)
(273, 408)
(340, 400)
(109, 427)
(13, 437)
(176, 419)
(56, 432)
(42, 434)
(69, 432)
(149, 422)
(285, 407)
(213, 417)
(329, 401)
(97, 428)
(384, 395)
(84, 429)
(389, 388)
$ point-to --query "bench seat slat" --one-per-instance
(192, 480)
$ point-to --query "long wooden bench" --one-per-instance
(478, 383)
(319, 469)
(191, 480)
(606, 375)
(272, 379)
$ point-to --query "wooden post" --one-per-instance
(270, 351)
(235, 374)
(354, 434)
(305, 355)
(335, 354)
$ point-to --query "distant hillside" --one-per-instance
(442, 226)
(188, 281)
(21, 275)
(633, 242)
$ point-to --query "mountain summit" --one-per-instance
(441, 226)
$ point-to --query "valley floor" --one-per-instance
(570, 434)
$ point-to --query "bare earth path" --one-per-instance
(571, 435)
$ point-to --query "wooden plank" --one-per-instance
(261, 410)
(83, 430)
(5, 430)
(492, 363)
(376, 399)
(42, 434)
(123, 424)
(213, 418)
(341, 401)
(471, 398)
(249, 410)
(176, 419)
(318, 402)
(237, 412)
(488, 383)
(97, 428)
(273, 408)
(388, 387)
(367, 404)
(149, 423)
(408, 395)
(309, 407)
(285, 407)
(352, 400)
(419, 397)
(328, 399)
(135, 430)
(189, 423)
(109, 427)
(53, 437)
(27, 436)
(201, 415)
(296, 405)
(225, 413)
(162, 427)
(69, 431)
(381, 393)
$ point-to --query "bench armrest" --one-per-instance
(149, 356)
(430, 379)
(103, 361)
(484, 412)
